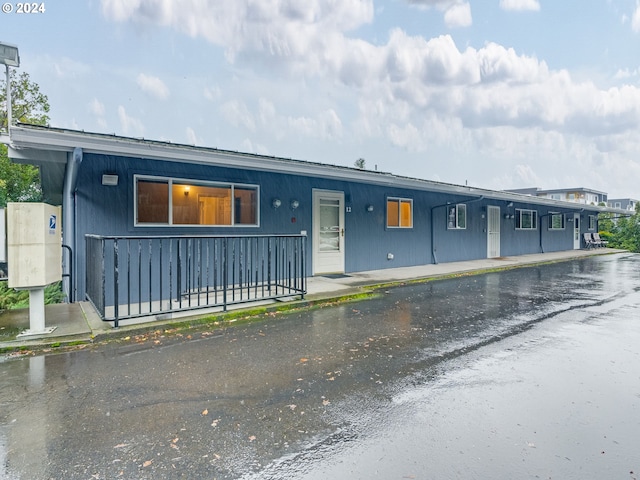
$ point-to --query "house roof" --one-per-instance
(49, 147)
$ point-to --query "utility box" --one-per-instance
(34, 244)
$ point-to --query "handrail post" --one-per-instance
(225, 281)
(116, 293)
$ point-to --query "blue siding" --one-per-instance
(109, 210)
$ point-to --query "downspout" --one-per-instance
(433, 249)
(548, 214)
(69, 280)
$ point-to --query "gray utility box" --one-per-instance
(34, 244)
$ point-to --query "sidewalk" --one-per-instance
(78, 323)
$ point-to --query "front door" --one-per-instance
(328, 232)
(493, 232)
(576, 231)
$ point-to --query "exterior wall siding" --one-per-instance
(109, 210)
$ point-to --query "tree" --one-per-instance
(21, 183)
(360, 163)
(621, 232)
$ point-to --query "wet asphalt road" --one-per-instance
(528, 373)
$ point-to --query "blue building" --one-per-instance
(152, 227)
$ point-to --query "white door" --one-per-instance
(576, 231)
(493, 232)
(328, 232)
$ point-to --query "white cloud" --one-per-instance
(458, 15)
(410, 91)
(192, 138)
(238, 115)
(326, 125)
(212, 93)
(635, 18)
(96, 107)
(130, 126)
(153, 86)
(624, 74)
(520, 5)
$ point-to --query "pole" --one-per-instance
(8, 99)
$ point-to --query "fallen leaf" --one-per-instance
(147, 463)
(121, 445)
(252, 438)
(325, 402)
(215, 422)
(205, 412)
(303, 360)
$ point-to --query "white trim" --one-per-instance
(46, 138)
(550, 226)
(577, 236)
(518, 214)
(336, 260)
(493, 211)
(456, 225)
(400, 201)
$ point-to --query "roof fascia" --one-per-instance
(65, 140)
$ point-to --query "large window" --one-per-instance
(526, 219)
(166, 201)
(399, 212)
(556, 221)
(456, 217)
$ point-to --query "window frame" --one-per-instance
(534, 219)
(453, 213)
(401, 201)
(553, 221)
(592, 222)
(170, 181)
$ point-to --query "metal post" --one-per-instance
(36, 314)
(8, 99)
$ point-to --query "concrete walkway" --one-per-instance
(79, 323)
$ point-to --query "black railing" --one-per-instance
(131, 277)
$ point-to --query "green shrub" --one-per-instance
(12, 298)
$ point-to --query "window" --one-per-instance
(456, 217)
(399, 213)
(592, 222)
(526, 219)
(166, 201)
(556, 221)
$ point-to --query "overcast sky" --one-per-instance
(494, 93)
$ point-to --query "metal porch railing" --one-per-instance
(130, 277)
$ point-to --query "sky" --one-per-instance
(494, 94)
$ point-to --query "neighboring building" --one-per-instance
(628, 204)
(585, 196)
(156, 227)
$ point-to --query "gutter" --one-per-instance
(69, 280)
(433, 249)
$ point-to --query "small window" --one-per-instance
(457, 217)
(526, 219)
(399, 212)
(556, 221)
(592, 222)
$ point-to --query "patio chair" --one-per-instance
(588, 241)
(598, 241)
